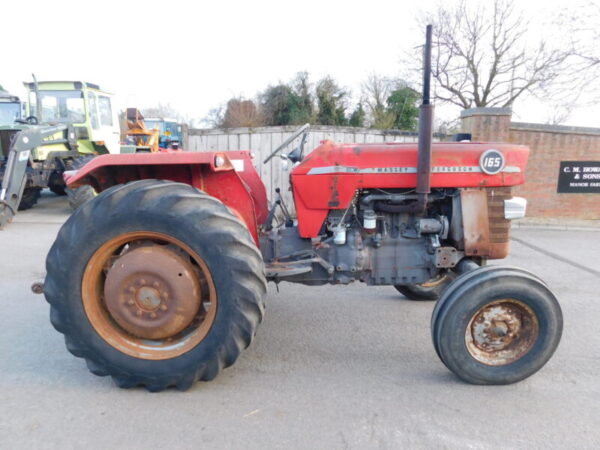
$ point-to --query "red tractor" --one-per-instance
(160, 280)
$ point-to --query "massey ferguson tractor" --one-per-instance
(160, 280)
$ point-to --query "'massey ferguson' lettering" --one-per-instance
(403, 170)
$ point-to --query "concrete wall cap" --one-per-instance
(485, 112)
(553, 128)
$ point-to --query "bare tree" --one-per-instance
(483, 56)
(214, 118)
(241, 113)
(390, 102)
(376, 89)
(165, 110)
(582, 26)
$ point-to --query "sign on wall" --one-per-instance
(579, 177)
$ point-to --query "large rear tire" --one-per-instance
(496, 325)
(163, 286)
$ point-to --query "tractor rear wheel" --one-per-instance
(430, 290)
(164, 285)
(30, 198)
(496, 325)
(79, 195)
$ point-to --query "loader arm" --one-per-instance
(13, 182)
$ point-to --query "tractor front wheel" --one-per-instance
(56, 183)
(29, 198)
(164, 285)
(496, 325)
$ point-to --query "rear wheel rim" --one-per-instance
(502, 332)
(135, 314)
(440, 279)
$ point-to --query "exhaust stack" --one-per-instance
(425, 128)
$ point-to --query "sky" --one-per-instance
(196, 55)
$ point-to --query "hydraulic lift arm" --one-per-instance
(19, 154)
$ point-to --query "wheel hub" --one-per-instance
(501, 332)
(152, 292)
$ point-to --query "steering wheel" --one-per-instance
(303, 129)
(31, 120)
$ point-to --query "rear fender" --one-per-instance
(242, 191)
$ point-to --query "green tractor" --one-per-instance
(10, 108)
(63, 125)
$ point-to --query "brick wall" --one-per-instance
(549, 144)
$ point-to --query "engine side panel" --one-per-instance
(329, 177)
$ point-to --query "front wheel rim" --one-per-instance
(110, 319)
(502, 332)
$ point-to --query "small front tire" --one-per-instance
(29, 198)
(80, 195)
(496, 325)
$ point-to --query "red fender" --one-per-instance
(235, 182)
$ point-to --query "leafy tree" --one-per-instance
(375, 90)
(357, 118)
(402, 104)
(302, 89)
(391, 103)
(277, 104)
(288, 104)
(331, 103)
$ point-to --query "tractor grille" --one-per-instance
(6, 138)
(499, 226)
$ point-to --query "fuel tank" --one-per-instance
(331, 174)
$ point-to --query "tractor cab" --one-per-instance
(83, 105)
(10, 108)
(169, 131)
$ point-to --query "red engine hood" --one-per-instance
(330, 175)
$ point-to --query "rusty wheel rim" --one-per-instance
(434, 282)
(502, 332)
(149, 295)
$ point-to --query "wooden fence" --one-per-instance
(262, 141)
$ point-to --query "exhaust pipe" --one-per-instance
(425, 129)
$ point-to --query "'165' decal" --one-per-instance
(491, 161)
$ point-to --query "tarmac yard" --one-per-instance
(331, 367)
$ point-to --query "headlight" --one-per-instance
(514, 208)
